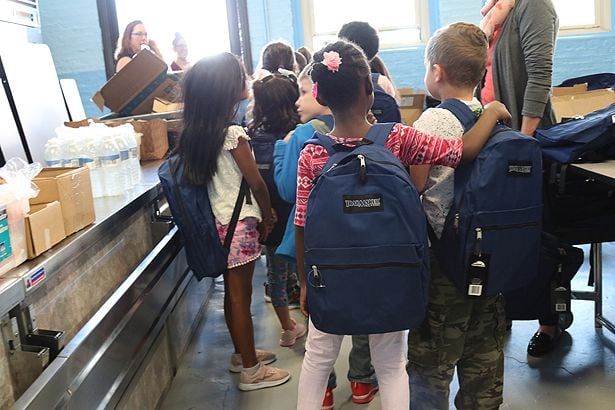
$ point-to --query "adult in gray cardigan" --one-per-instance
(522, 37)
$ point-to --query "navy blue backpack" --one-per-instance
(384, 108)
(192, 213)
(591, 137)
(262, 146)
(366, 251)
(492, 234)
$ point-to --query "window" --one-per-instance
(399, 22)
(579, 16)
(204, 25)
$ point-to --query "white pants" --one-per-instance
(388, 358)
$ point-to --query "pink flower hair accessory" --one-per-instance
(315, 90)
(332, 60)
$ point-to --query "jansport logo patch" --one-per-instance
(363, 203)
(520, 168)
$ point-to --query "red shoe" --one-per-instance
(363, 392)
(327, 402)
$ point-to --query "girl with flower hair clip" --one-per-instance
(344, 84)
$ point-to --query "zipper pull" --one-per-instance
(479, 237)
(317, 281)
(362, 168)
(315, 270)
(456, 223)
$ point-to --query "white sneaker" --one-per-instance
(289, 337)
(264, 377)
(263, 356)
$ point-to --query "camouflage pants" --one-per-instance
(460, 332)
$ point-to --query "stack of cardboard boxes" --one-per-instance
(575, 101)
(143, 86)
(63, 206)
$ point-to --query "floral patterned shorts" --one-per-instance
(244, 246)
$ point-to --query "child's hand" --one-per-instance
(371, 118)
(266, 226)
(498, 110)
(264, 229)
(303, 300)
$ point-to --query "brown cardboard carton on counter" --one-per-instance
(575, 101)
(411, 104)
(73, 189)
(132, 90)
(44, 227)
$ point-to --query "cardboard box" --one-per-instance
(73, 189)
(570, 102)
(162, 105)
(132, 90)
(411, 104)
(44, 227)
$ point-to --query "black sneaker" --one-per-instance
(541, 343)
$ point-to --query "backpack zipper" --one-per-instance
(479, 231)
(363, 163)
(318, 280)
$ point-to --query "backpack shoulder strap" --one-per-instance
(322, 123)
(377, 87)
(324, 141)
(460, 110)
(379, 133)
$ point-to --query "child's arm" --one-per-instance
(285, 157)
(475, 138)
(247, 165)
(419, 148)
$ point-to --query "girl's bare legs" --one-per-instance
(237, 300)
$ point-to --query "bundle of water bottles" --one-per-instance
(109, 152)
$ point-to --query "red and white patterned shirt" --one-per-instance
(412, 147)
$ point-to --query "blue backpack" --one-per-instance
(262, 146)
(492, 235)
(384, 108)
(591, 137)
(192, 213)
(366, 251)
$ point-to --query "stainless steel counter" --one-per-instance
(16, 285)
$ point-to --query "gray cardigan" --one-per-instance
(523, 61)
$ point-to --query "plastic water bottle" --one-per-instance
(133, 157)
(53, 153)
(122, 145)
(72, 151)
(92, 149)
(111, 165)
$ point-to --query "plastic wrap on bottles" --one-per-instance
(16, 190)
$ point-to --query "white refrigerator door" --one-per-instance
(10, 142)
(34, 84)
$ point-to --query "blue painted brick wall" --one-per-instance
(575, 55)
(71, 30)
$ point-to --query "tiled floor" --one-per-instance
(579, 375)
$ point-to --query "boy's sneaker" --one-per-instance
(363, 392)
(263, 356)
(289, 337)
(264, 377)
(327, 402)
(267, 292)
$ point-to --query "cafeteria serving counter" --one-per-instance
(101, 319)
